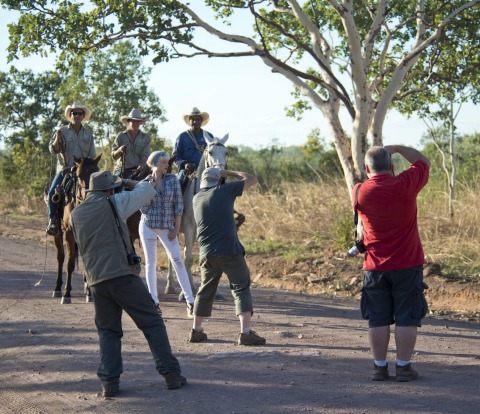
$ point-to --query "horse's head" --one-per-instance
(216, 153)
(85, 167)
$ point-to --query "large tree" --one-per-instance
(363, 56)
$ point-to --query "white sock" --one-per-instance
(401, 363)
(198, 328)
(381, 363)
(246, 331)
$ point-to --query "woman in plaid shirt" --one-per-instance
(161, 219)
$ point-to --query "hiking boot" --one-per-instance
(406, 373)
(110, 389)
(380, 373)
(53, 227)
(197, 336)
(190, 310)
(175, 381)
(250, 339)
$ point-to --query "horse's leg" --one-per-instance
(57, 292)
(71, 256)
(188, 260)
(170, 288)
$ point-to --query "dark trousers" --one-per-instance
(130, 294)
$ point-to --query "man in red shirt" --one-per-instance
(393, 285)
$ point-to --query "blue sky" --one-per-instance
(242, 97)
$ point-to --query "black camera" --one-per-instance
(358, 248)
(133, 259)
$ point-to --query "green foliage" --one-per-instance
(362, 56)
(28, 106)
(32, 106)
(112, 82)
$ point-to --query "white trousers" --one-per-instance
(149, 237)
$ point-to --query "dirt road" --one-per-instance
(316, 358)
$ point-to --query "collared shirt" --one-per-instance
(81, 145)
(160, 213)
(388, 210)
(136, 149)
(186, 151)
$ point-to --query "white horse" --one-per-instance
(214, 155)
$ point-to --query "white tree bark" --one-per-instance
(368, 116)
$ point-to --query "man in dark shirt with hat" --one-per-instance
(190, 144)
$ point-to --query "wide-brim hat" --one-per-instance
(77, 105)
(134, 115)
(210, 177)
(103, 180)
(196, 112)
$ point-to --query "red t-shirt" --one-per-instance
(387, 206)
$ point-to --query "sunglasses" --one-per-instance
(77, 113)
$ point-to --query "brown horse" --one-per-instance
(80, 180)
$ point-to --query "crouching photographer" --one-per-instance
(393, 285)
(112, 272)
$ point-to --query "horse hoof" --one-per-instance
(57, 294)
(66, 301)
(89, 299)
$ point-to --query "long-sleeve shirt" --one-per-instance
(160, 213)
(100, 242)
(186, 151)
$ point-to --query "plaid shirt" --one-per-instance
(161, 211)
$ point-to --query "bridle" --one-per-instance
(206, 154)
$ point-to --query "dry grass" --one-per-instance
(302, 219)
(297, 214)
(19, 203)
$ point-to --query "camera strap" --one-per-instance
(117, 222)
(355, 215)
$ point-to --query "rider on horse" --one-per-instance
(190, 144)
(132, 146)
(68, 141)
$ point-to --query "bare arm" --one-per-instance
(410, 154)
(248, 179)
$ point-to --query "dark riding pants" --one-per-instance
(128, 293)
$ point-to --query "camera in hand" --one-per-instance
(358, 248)
(133, 259)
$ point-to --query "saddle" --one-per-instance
(66, 191)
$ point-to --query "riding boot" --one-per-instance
(54, 228)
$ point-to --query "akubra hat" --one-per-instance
(77, 105)
(196, 112)
(103, 180)
(134, 115)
